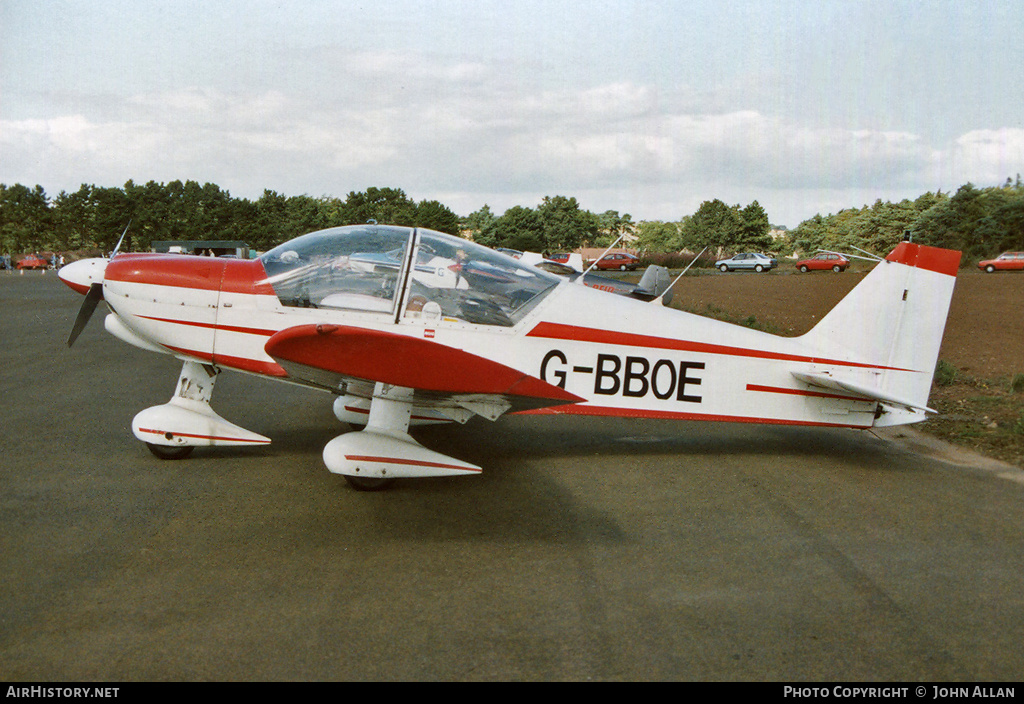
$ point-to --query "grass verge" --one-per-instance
(985, 415)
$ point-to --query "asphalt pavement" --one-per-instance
(589, 549)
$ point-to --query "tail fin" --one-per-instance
(653, 283)
(891, 324)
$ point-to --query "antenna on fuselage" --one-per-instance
(610, 247)
(873, 257)
(660, 300)
(118, 247)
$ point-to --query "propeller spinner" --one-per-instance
(86, 276)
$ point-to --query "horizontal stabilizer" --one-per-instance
(826, 381)
(323, 353)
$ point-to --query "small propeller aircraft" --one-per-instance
(407, 326)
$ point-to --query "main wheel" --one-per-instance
(724, 268)
(990, 269)
(166, 452)
(803, 269)
(758, 268)
(837, 268)
(368, 483)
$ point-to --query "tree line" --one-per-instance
(95, 217)
(978, 221)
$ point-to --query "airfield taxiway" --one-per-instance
(589, 549)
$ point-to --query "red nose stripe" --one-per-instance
(190, 271)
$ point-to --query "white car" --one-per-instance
(748, 260)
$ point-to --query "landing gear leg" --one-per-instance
(390, 414)
(372, 458)
(172, 430)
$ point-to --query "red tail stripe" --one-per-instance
(941, 261)
(559, 331)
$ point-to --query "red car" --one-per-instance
(32, 262)
(823, 261)
(1007, 261)
(618, 260)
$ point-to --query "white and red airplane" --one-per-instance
(409, 326)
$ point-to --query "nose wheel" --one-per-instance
(166, 452)
(172, 430)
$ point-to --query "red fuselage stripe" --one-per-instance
(607, 411)
(802, 392)
(212, 326)
(240, 363)
(560, 331)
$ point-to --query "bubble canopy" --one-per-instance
(406, 273)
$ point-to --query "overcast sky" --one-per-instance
(646, 107)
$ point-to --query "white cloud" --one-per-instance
(469, 134)
(988, 156)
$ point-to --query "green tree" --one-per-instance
(520, 228)
(434, 215)
(659, 236)
(611, 226)
(952, 223)
(754, 228)
(71, 219)
(564, 225)
(482, 226)
(387, 206)
(270, 221)
(715, 225)
(24, 219)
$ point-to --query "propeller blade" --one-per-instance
(93, 297)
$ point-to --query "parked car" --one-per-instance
(754, 261)
(32, 262)
(618, 260)
(823, 261)
(1007, 261)
(572, 259)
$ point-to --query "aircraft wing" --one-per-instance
(334, 355)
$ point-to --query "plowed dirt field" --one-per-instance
(983, 341)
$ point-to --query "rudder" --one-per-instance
(892, 323)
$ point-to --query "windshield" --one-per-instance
(343, 267)
(363, 267)
(455, 279)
